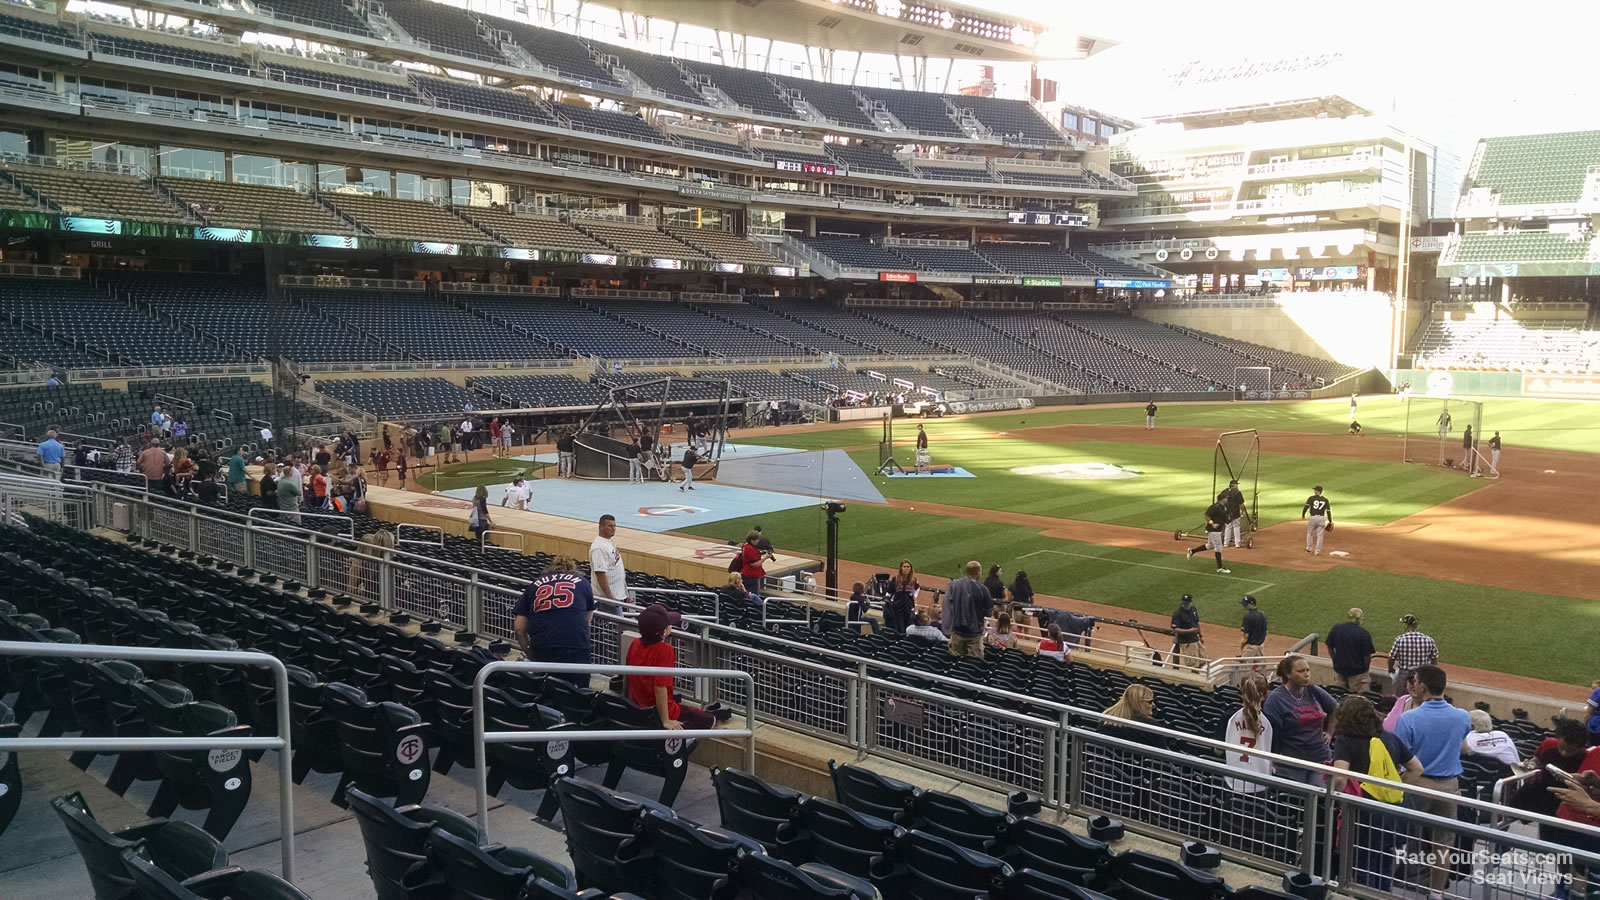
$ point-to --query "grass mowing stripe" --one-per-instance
(1548, 424)
(1520, 632)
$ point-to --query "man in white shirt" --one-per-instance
(518, 494)
(606, 573)
(1485, 740)
(266, 437)
(466, 434)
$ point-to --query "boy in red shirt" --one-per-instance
(651, 648)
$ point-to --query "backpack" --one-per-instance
(737, 563)
(1381, 765)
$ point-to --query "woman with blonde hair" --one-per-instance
(1136, 705)
(1250, 731)
(182, 468)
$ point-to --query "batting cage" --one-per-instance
(1435, 434)
(1236, 458)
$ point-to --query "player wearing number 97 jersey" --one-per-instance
(552, 618)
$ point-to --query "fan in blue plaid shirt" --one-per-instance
(1410, 650)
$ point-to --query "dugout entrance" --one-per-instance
(1237, 457)
(1435, 434)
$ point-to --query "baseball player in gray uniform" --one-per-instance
(1321, 519)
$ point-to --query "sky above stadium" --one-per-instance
(1521, 67)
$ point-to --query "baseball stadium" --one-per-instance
(788, 449)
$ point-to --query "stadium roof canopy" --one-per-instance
(1331, 107)
(922, 28)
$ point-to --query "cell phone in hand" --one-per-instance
(1563, 776)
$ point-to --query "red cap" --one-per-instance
(655, 619)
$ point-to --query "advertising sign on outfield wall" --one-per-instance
(1583, 387)
(975, 406)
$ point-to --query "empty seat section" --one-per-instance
(79, 312)
(529, 230)
(699, 329)
(920, 111)
(767, 320)
(400, 397)
(219, 59)
(399, 91)
(835, 101)
(1036, 260)
(238, 311)
(35, 30)
(657, 72)
(537, 391)
(853, 326)
(426, 327)
(952, 173)
(566, 53)
(705, 145)
(724, 246)
(1010, 117)
(637, 239)
(860, 253)
(759, 385)
(753, 90)
(605, 121)
(498, 102)
(579, 328)
(235, 205)
(410, 219)
(945, 259)
(861, 158)
(1204, 361)
(14, 197)
(1105, 265)
(1284, 360)
(19, 347)
(447, 29)
(82, 409)
(326, 13)
(97, 194)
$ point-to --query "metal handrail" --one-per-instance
(847, 666)
(283, 742)
(481, 738)
(344, 522)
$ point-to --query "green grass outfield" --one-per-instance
(1518, 632)
(471, 474)
(1546, 424)
(1170, 492)
(1472, 624)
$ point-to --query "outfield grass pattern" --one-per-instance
(1545, 424)
(1172, 490)
(1519, 632)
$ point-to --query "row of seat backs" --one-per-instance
(161, 860)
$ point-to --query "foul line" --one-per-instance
(1124, 562)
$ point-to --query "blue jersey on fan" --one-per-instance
(557, 605)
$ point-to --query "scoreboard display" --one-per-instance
(1053, 219)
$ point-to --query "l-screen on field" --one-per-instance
(1087, 501)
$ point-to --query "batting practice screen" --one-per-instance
(1435, 431)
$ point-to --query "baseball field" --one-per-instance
(1500, 572)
